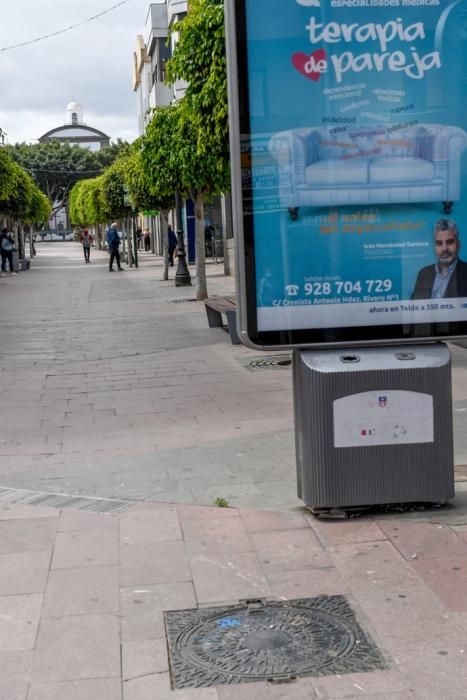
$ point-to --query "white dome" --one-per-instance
(74, 107)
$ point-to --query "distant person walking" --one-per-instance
(113, 239)
(87, 241)
(147, 240)
(139, 238)
(172, 244)
(7, 246)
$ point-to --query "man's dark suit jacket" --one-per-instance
(457, 286)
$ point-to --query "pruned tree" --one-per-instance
(40, 208)
(6, 174)
(199, 59)
(55, 167)
(148, 191)
(85, 202)
(109, 154)
(201, 133)
(16, 200)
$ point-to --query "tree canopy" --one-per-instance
(57, 166)
(199, 59)
(20, 198)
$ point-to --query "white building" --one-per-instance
(76, 132)
(152, 51)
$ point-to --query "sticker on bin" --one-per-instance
(383, 418)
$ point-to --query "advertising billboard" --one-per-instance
(349, 153)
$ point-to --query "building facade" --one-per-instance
(76, 132)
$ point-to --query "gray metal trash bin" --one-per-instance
(373, 426)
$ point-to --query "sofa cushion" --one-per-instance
(337, 172)
(332, 146)
(403, 169)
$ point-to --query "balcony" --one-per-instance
(176, 7)
(156, 25)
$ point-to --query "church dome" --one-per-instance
(74, 112)
(74, 106)
(75, 132)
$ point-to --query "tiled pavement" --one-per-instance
(82, 595)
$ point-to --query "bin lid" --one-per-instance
(357, 359)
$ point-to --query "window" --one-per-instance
(74, 118)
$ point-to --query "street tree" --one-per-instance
(86, 206)
(16, 200)
(55, 167)
(109, 154)
(40, 209)
(202, 126)
(6, 174)
(21, 201)
(144, 193)
(161, 165)
(173, 163)
(199, 59)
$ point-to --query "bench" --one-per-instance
(215, 307)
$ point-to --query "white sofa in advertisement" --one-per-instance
(346, 165)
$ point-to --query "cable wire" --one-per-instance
(62, 172)
(62, 31)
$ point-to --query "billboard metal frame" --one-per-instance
(353, 336)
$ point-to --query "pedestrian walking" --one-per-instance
(7, 246)
(113, 240)
(87, 241)
(172, 244)
(147, 240)
(139, 238)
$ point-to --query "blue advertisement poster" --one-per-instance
(355, 167)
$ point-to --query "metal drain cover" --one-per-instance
(260, 640)
(63, 501)
(182, 301)
(268, 362)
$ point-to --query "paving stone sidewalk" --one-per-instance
(109, 389)
(82, 597)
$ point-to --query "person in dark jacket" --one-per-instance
(113, 239)
(172, 244)
(7, 246)
(447, 278)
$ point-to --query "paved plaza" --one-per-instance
(113, 389)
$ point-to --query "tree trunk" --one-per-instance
(21, 249)
(153, 235)
(127, 234)
(164, 220)
(201, 284)
(123, 251)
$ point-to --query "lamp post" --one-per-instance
(182, 276)
(135, 236)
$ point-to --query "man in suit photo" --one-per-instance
(447, 278)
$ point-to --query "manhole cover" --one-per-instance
(258, 640)
(268, 362)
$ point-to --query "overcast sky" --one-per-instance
(92, 63)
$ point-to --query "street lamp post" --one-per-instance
(135, 237)
(182, 276)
